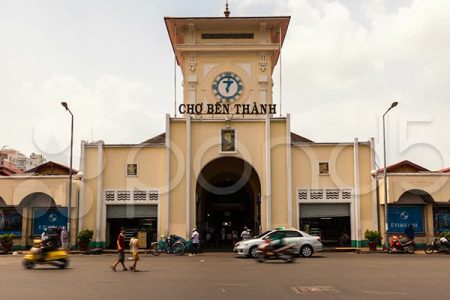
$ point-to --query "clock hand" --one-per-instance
(228, 82)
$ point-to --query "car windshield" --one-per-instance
(262, 234)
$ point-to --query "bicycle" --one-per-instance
(169, 245)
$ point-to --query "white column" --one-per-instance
(357, 184)
(100, 201)
(373, 186)
(188, 173)
(81, 212)
(289, 170)
(167, 211)
(268, 175)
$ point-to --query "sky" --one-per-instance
(343, 64)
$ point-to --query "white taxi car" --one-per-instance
(306, 244)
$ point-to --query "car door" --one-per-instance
(292, 236)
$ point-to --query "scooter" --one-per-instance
(437, 246)
(267, 252)
(401, 246)
(58, 257)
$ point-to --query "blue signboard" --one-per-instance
(44, 218)
(399, 217)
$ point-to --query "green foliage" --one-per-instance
(7, 238)
(445, 234)
(373, 236)
(85, 236)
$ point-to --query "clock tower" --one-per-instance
(227, 60)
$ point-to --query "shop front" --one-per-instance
(329, 221)
(134, 218)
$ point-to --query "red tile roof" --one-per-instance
(404, 163)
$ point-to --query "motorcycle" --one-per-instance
(267, 252)
(401, 246)
(437, 246)
(58, 257)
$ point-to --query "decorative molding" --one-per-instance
(192, 64)
(263, 32)
(116, 197)
(319, 195)
(263, 61)
(191, 33)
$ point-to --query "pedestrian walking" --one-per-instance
(195, 241)
(120, 250)
(245, 235)
(134, 249)
(64, 237)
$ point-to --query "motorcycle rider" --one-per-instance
(277, 241)
(50, 242)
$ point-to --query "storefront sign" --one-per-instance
(11, 221)
(44, 218)
(142, 237)
(227, 108)
(399, 218)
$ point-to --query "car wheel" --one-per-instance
(306, 251)
(253, 252)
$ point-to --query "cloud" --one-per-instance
(112, 109)
(344, 62)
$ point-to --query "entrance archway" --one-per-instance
(228, 198)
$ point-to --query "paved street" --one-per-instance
(222, 276)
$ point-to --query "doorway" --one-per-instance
(228, 199)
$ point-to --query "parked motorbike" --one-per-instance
(401, 246)
(266, 251)
(437, 246)
(58, 257)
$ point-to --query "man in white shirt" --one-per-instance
(245, 235)
(195, 241)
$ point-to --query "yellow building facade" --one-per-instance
(227, 160)
(30, 204)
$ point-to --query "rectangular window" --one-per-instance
(441, 219)
(225, 36)
(11, 220)
(324, 168)
(228, 143)
(132, 170)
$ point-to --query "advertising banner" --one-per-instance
(11, 221)
(399, 217)
(44, 218)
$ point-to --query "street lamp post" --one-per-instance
(394, 104)
(64, 104)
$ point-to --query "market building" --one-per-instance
(228, 158)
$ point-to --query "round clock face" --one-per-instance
(227, 87)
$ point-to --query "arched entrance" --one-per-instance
(39, 213)
(228, 198)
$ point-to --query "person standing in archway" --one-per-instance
(245, 235)
(195, 241)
